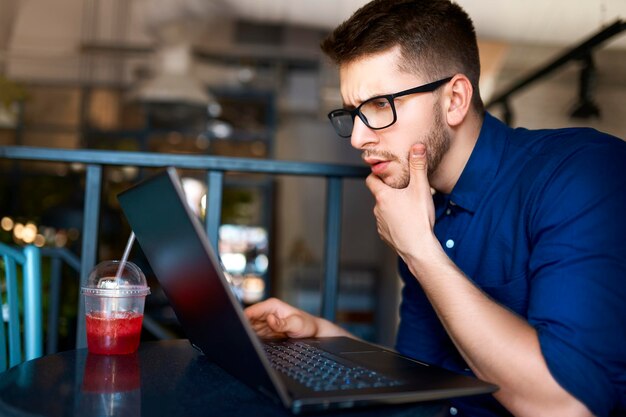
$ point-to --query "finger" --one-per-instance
(262, 328)
(260, 310)
(374, 183)
(254, 311)
(371, 181)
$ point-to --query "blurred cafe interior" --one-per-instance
(246, 79)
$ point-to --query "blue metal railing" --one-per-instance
(57, 257)
(215, 168)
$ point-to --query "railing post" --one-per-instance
(332, 248)
(93, 185)
(33, 326)
(52, 342)
(215, 185)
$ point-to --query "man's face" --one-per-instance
(419, 118)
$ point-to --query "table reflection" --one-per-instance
(111, 386)
(165, 378)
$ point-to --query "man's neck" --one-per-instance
(463, 140)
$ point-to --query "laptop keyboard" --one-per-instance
(319, 370)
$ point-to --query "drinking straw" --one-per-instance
(129, 245)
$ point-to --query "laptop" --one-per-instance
(301, 374)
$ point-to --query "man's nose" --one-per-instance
(362, 135)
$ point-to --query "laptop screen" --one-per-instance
(190, 274)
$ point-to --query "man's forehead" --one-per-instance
(371, 76)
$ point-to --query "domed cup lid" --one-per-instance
(111, 279)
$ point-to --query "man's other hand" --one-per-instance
(274, 318)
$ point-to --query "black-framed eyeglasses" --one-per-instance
(377, 112)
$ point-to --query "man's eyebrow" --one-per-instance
(352, 106)
(347, 106)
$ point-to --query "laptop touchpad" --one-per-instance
(343, 345)
(382, 360)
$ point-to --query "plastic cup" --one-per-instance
(114, 302)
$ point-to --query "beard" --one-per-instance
(437, 142)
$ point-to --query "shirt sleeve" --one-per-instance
(578, 275)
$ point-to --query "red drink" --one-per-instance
(117, 334)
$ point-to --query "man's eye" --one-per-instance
(379, 103)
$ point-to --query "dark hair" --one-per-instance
(436, 38)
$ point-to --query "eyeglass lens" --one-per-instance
(342, 122)
(376, 114)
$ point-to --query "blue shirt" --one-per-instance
(537, 220)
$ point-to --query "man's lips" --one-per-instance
(378, 165)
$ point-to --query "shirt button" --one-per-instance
(448, 211)
(453, 411)
(449, 243)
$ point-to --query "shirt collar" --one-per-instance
(482, 166)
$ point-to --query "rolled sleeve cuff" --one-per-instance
(577, 374)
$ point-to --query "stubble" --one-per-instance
(437, 142)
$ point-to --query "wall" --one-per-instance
(548, 102)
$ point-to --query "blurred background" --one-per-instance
(245, 78)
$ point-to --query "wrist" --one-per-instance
(426, 255)
(327, 328)
(421, 249)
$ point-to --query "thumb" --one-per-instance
(417, 160)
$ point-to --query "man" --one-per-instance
(514, 270)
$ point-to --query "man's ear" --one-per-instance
(458, 99)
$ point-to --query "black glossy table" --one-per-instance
(166, 378)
